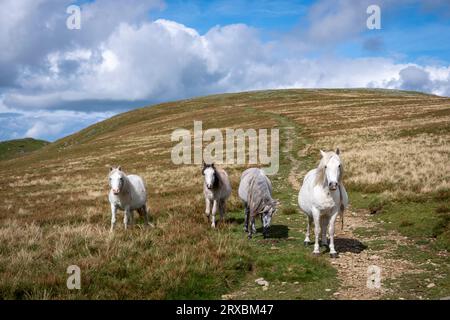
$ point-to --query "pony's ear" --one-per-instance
(212, 165)
(338, 152)
(322, 153)
(119, 168)
(111, 168)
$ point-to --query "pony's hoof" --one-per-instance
(306, 243)
(249, 237)
(213, 226)
(316, 254)
(333, 255)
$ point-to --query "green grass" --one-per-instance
(17, 148)
(426, 221)
(50, 222)
(292, 271)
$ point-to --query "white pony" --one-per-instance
(217, 189)
(322, 197)
(127, 193)
(255, 191)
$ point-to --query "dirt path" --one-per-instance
(356, 255)
(362, 243)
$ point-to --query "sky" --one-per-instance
(55, 81)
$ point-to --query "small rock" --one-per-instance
(262, 282)
(336, 293)
(431, 285)
(327, 290)
(374, 257)
(265, 288)
(283, 283)
(296, 282)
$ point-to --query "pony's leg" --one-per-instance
(247, 215)
(208, 207)
(131, 218)
(126, 217)
(316, 217)
(113, 217)
(251, 228)
(213, 215)
(253, 225)
(308, 228)
(146, 216)
(222, 205)
(265, 229)
(333, 253)
(324, 220)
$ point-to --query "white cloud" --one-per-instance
(121, 56)
(42, 129)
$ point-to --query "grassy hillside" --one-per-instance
(395, 145)
(17, 148)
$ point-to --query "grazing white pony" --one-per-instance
(217, 189)
(255, 191)
(322, 197)
(127, 193)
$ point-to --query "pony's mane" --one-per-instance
(120, 172)
(256, 207)
(320, 173)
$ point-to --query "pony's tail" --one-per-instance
(341, 213)
(341, 208)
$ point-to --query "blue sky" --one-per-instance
(56, 81)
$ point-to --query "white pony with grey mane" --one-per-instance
(128, 193)
(323, 197)
(217, 189)
(255, 191)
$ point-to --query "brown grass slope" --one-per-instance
(54, 209)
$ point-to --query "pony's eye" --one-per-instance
(325, 167)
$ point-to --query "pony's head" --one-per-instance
(116, 179)
(330, 169)
(268, 210)
(209, 172)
